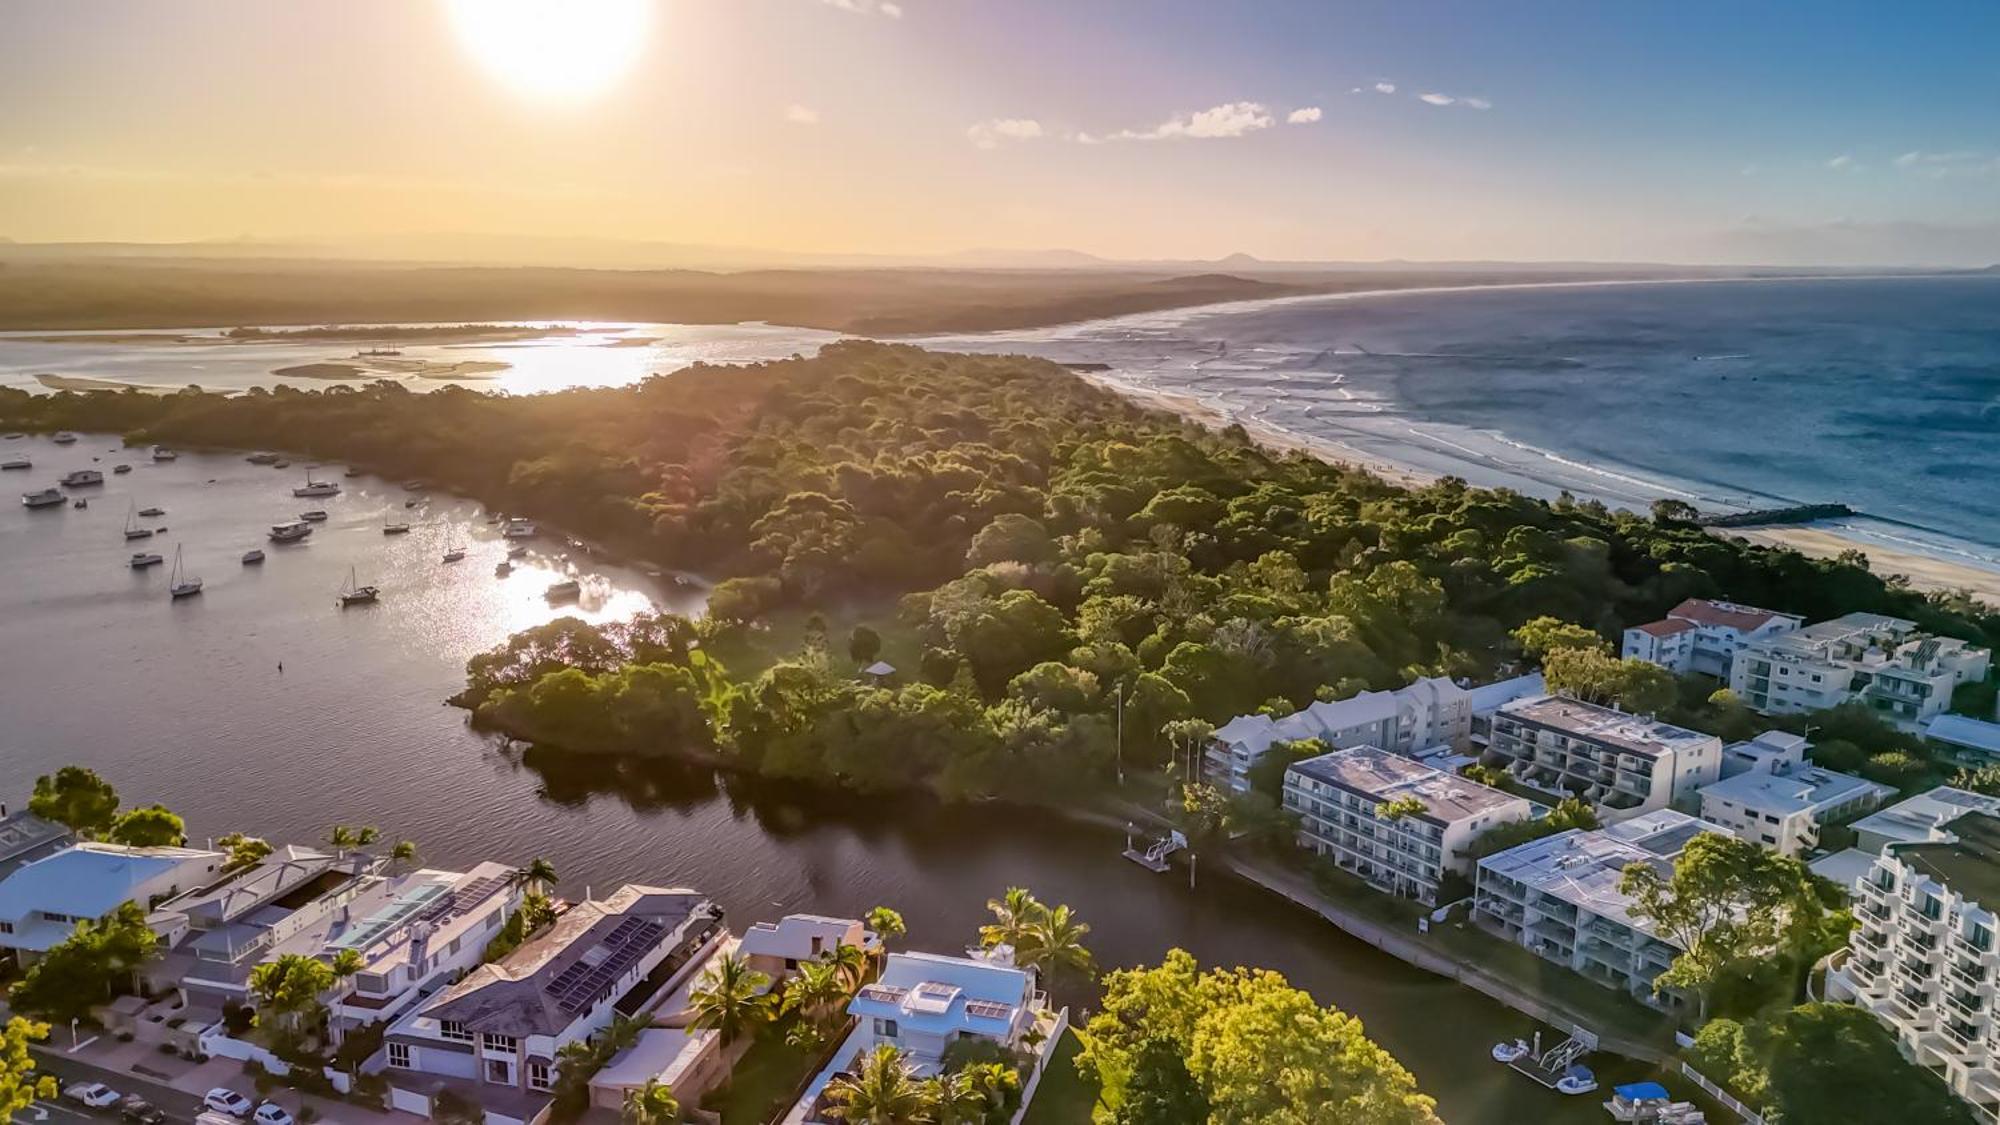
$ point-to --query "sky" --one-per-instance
(1694, 131)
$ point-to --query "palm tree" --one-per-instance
(815, 990)
(1014, 918)
(342, 839)
(1055, 945)
(955, 1099)
(730, 998)
(885, 1091)
(851, 960)
(651, 1104)
(404, 852)
(539, 874)
(347, 962)
(887, 923)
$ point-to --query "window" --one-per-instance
(6, 927)
(540, 1076)
(500, 1071)
(493, 1042)
(399, 1055)
(454, 1030)
(885, 1028)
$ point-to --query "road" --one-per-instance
(180, 1107)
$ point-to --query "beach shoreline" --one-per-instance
(1925, 572)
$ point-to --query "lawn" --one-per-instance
(769, 1074)
(746, 652)
(1064, 1097)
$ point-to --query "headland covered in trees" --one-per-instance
(1031, 552)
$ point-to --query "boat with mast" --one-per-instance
(317, 487)
(132, 529)
(352, 592)
(181, 584)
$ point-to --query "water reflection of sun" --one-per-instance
(522, 600)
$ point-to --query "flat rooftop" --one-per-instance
(1969, 864)
(1584, 868)
(1794, 791)
(1913, 818)
(1382, 776)
(1608, 726)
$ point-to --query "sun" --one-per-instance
(553, 49)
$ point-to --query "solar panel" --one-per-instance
(884, 993)
(988, 1009)
(583, 983)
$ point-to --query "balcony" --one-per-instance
(1872, 942)
(1871, 910)
(1959, 1035)
(1964, 947)
(1969, 1006)
(1968, 977)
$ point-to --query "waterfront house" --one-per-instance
(1618, 763)
(777, 948)
(1340, 797)
(493, 1036)
(1700, 635)
(1558, 898)
(1783, 808)
(42, 901)
(1905, 676)
(25, 838)
(1426, 714)
(1923, 956)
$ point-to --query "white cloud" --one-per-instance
(1842, 163)
(801, 115)
(989, 134)
(1436, 99)
(893, 11)
(1475, 103)
(1458, 100)
(1231, 119)
(1385, 87)
(1304, 115)
(886, 8)
(1957, 162)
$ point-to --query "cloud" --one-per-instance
(989, 134)
(893, 11)
(1231, 119)
(1459, 100)
(1436, 99)
(1475, 103)
(885, 8)
(1842, 163)
(1385, 87)
(1304, 115)
(801, 115)
(1957, 162)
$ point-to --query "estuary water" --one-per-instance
(185, 703)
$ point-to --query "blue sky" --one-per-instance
(1134, 128)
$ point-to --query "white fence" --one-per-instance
(1049, 1046)
(1749, 1116)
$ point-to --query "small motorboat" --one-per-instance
(394, 527)
(132, 533)
(504, 569)
(262, 458)
(79, 478)
(1576, 1080)
(351, 472)
(121, 469)
(290, 532)
(518, 529)
(145, 559)
(152, 513)
(281, 463)
(17, 463)
(81, 504)
(567, 591)
(162, 453)
(316, 515)
(1637, 1101)
(1508, 1052)
(15, 437)
(409, 503)
(517, 552)
(455, 554)
(252, 557)
(64, 437)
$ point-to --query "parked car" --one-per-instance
(271, 1113)
(222, 1099)
(138, 1110)
(96, 1095)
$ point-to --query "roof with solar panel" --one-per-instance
(547, 984)
(929, 992)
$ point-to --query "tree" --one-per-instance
(1727, 902)
(1596, 676)
(730, 998)
(244, 851)
(1010, 538)
(1015, 915)
(1267, 774)
(1545, 634)
(1160, 1090)
(1668, 511)
(884, 1090)
(1399, 808)
(154, 826)
(651, 1104)
(1569, 813)
(20, 1086)
(815, 990)
(76, 797)
(1493, 777)
(344, 838)
(1054, 944)
(887, 923)
(93, 965)
(289, 988)
(1823, 1062)
(403, 853)
(1984, 779)
(864, 644)
(538, 873)
(346, 963)
(851, 961)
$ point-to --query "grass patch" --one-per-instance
(748, 650)
(1064, 1097)
(766, 1077)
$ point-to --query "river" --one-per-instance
(185, 703)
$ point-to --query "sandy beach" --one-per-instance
(1924, 572)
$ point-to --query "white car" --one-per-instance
(271, 1113)
(96, 1095)
(222, 1099)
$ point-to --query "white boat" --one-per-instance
(121, 468)
(15, 437)
(454, 554)
(252, 557)
(316, 515)
(78, 478)
(181, 584)
(519, 529)
(414, 485)
(317, 487)
(567, 591)
(17, 463)
(1508, 1052)
(46, 498)
(162, 453)
(64, 437)
(350, 471)
(1577, 1080)
(290, 532)
(353, 592)
(133, 530)
(144, 559)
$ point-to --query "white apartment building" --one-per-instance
(1773, 751)
(1487, 699)
(1428, 713)
(1700, 635)
(42, 901)
(1558, 898)
(1919, 819)
(1783, 809)
(1883, 662)
(1620, 764)
(1923, 955)
(1338, 798)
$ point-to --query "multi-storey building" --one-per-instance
(1923, 955)
(1784, 808)
(1355, 808)
(1621, 764)
(1429, 713)
(1883, 662)
(1558, 897)
(42, 901)
(1704, 636)
(1919, 818)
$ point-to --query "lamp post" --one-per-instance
(1120, 751)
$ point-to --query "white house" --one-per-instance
(1773, 751)
(1974, 741)
(1784, 809)
(1558, 897)
(42, 901)
(1621, 764)
(777, 948)
(1883, 662)
(493, 1036)
(1428, 713)
(1338, 798)
(1700, 635)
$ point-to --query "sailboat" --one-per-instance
(181, 584)
(393, 527)
(454, 554)
(354, 593)
(317, 487)
(133, 530)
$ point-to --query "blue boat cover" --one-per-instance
(1642, 1091)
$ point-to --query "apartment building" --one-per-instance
(1920, 818)
(1621, 764)
(1923, 957)
(1558, 898)
(1783, 809)
(1883, 662)
(1700, 635)
(1428, 713)
(1339, 799)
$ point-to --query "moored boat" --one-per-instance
(353, 592)
(17, 463)
(567, 591)
(162, 453)
(121, 469)
(316, 487)
(290, 532)
(79, 478)
(454, 554)
(64, 437)
(315, 515)
(180, 583)
(144, 559)
(252, 557)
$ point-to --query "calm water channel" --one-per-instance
(185, 703)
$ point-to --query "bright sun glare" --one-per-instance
(553, 48)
